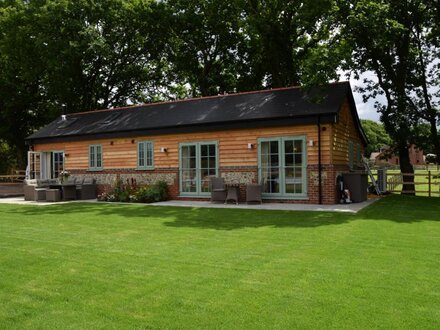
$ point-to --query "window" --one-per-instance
(145, 155)
(95, 157)
(282, 166)
(198, 163)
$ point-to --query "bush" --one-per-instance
(155, 193)
(131, 193)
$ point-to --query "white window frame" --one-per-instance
(93, 162)
(145, 155)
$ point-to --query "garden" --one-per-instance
(95, 265)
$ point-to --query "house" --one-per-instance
(385, 157)
(292, 143)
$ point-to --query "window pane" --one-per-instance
(288, 159)
(204, 150)
(298, 159)
(288, 146)
(274, 160)
(204, 163)
(212, 150)
(92, 156)
(290, 188)
(141, 156)
(298, 146)
(149, 156)
(264, 148)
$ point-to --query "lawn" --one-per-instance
(91, 266)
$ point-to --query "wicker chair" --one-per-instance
(87, 189)
(218, 189)
(253, 193)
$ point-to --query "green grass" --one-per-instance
(101, 266)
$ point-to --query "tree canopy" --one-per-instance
(63, 56)
(377, 136)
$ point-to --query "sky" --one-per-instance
(365, 110)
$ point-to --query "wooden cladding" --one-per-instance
(343, 132)
(122, 153)
(232, 144)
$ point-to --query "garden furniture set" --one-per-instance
(222, 192)
(53, 190)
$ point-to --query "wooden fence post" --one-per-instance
(429, 183)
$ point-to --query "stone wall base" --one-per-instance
(233, 175)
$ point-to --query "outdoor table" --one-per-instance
(232, 192)
(68, 190)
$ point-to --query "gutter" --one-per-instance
(319, 161)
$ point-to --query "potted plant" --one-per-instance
(64, 176)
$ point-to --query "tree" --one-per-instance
(287, 39)
(207, 45)
(377, 136)
(67, 56)
(102, 54)
(382, 38)
(23, 99)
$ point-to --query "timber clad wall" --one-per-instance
(237, 163)
(343, 132)
(233, 151)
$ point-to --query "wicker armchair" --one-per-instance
(218, 189)
(87, 189)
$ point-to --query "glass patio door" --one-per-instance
(282, 166)
(34, 165)
(198, 162)
(57, 163)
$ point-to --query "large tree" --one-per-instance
(284, 35)
(66, 56)
(207, 49)
(383, 37)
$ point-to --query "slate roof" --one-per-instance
(266, 108)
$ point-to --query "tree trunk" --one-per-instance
(435, 138)
(408, 187)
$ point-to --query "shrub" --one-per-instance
(131, 193)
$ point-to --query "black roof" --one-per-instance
(264, 108)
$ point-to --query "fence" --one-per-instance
(426, 182)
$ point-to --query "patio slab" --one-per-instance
(347, 208)
(21, 201)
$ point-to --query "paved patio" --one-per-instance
(347, 208)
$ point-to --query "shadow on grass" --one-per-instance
(401, 209)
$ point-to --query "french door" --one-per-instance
(283, 166)
(34, 165)
(45, 165)
(198, 163)
(57, 163)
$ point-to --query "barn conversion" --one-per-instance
(292, 142)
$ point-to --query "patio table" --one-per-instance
(232, 192)
(68, 190)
